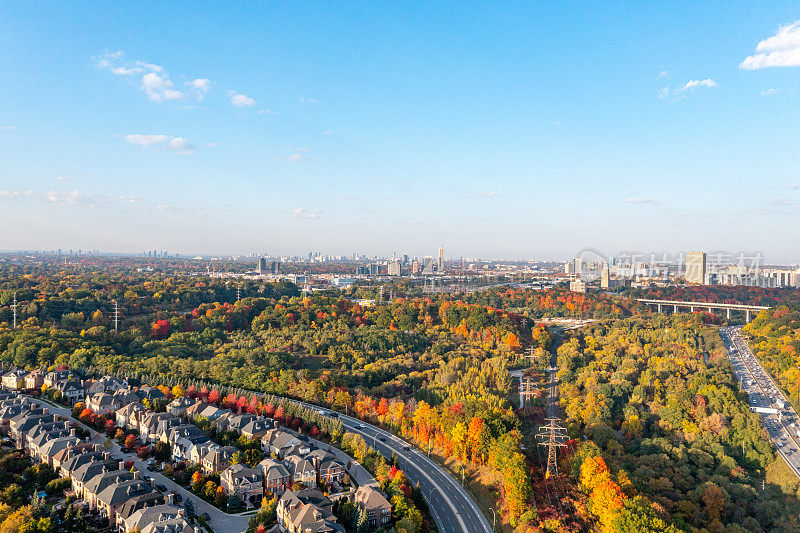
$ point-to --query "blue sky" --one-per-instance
(509, 130)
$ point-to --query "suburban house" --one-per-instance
(14, 380)
(257, 428)
(93, 487)
(302, 470)
(102, 403)
(150, 393)
(88, 471)
(114, 496)
(374, 502)
(277, 478)
(130, 414)
(243, 482)
(72, 391)
(328, 468)
(148, 426)
(178, 406)
(34, 380)
(54, 377)
(307, 510)
(107, 384)
(281, 443)
(217, 459)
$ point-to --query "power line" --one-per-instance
(553, 438)
(14, 307)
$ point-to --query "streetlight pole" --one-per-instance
(494, 519)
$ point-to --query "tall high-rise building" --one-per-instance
(605, 279)
(262, 265)
(393, 268)
(427, 266)
(695, 267)
(441, 259)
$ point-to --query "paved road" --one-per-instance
(763, 393)
(221, 522)
(452, 508)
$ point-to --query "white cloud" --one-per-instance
(691, 85)
(200, 87)
(308, 100)
(180, 145)
(694, 84)
(108, 59)
(8, 128)
(159, 88)
(641, 200)
(300, 154)
(306, 213)
(126, 71)
(267, 112)
(485, 195)
(6, 194)
(768, 92)
(240, 100)
(176, 144)
(780, 50)
(71, 198)
(62, 178)
(155, 80)
(328, 132)
(146, 140)
(663, 75)
(210, 145)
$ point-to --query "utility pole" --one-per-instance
(14, 307)
(553, 438)
(116, 316)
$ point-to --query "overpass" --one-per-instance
(710, 306)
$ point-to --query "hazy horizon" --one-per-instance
(512, 133)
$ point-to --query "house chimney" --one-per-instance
(152, 481)
(135, 474)
(122, 465)
(170, 498)
(106, 456)
(72, 432)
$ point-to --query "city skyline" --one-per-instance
(362, 127)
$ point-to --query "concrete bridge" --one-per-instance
(710, 306)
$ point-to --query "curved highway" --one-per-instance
(451, 506)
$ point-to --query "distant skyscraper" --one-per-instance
(394, 268)
(441, 259)
(695, 267)
(605, 280)
(262, 265)
(427, 266)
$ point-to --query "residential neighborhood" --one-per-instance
(266, 462)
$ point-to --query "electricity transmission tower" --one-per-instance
(553, 437)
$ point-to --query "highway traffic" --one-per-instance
(777, 415)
